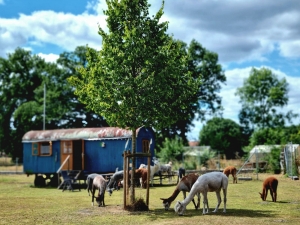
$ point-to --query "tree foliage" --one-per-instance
(275, 136)
(171, 149)
(223, 135)
(262, 95)
(23, 77)
(20, 75)
(139, 77)
(202, 64)
(273, 160)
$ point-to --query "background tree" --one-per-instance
(223, 135)
(202, 64)
(20, 76)
(262, 95)
(267, 136)
(23, 76)
(77, 114)
(139, 77)
(171, 149)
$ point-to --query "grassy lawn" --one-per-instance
(21, 203)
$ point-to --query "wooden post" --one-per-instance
(148, 177)
(124, 179)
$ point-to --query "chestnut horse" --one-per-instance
(231, 170)
(271, 184)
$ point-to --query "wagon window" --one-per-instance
(67, 147)
(45, 148)
(145, 146)
(42, 148)
(35, 149)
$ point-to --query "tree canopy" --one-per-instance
(202, 64)
(23, 77)
(262, 96)
(139, 77)
(223, 135)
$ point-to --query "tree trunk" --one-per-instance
(132, 190)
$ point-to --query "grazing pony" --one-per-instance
(184, 185)
(271, 184)
(166, 168)
(89, 182)
(209, 182)
(114, 180)
(99, 183)
(141, 174)
(230, 170)
(153, 169)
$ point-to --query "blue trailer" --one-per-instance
(88, 150)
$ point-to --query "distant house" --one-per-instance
(195, 150)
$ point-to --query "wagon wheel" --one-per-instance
(54, 180)
(39, 181)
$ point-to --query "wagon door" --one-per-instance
(78, 155)
(67, 155)
(71, 155)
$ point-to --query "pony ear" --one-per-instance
(162, 199)
(179, 202)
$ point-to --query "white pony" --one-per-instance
(166, 168)
(153, 169)
(209, 182)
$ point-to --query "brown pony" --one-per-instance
(141, 173)
(231, 170)
(271, 184)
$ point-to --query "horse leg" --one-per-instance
(219, 201)
(267, 190)
(205, 203)
(271, 193)
(225, 199)
(93, 193)
(198, 203)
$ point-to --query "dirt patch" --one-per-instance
(139, 205)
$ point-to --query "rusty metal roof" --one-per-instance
(77, 133)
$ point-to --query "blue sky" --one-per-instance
(244, 34)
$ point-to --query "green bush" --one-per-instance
(273, 160)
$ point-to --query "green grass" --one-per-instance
(21, 203)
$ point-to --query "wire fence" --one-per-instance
(290, 155)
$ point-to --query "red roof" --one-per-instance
(76, 133)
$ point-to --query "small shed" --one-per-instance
(92, 150)
(259, 152)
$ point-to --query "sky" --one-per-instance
(244, 34)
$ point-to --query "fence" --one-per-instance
(290, 155)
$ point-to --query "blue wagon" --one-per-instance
(88, 150)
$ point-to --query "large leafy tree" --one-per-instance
(223, 135)
(77, 114)
(279, 135)
(20, 76)
(139, 77)
(203, 64)
(262, 96)
(171, 149)
(23, 77)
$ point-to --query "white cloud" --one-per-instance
(43, 27)
(230, 102)
(49, 57)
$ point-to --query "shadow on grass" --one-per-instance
(161, 213)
